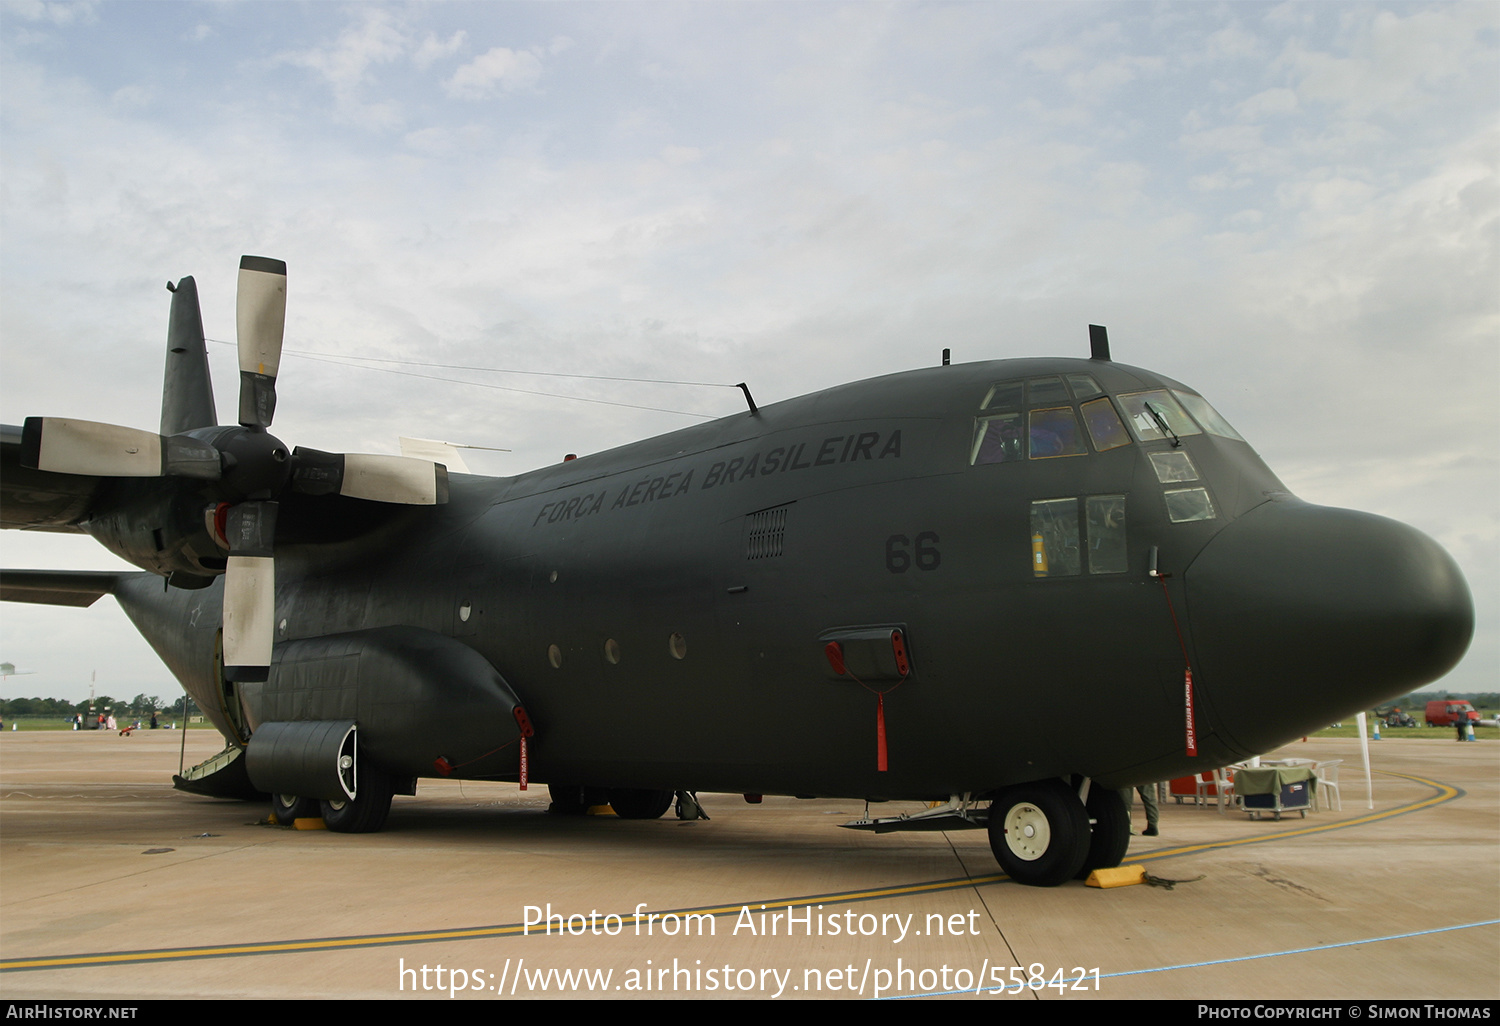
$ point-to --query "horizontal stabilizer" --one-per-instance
(60, 587)
(435, 451)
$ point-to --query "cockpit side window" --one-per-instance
(1106, 523)
(1057, 546)
(1054, 538)
(997, 439)
(1185, 505)
(1174, 466)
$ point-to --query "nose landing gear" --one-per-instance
(1042, 836)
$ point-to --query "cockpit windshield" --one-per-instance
(1036, 418)
(1207, 415)
(1146, 412)
(1033, 418)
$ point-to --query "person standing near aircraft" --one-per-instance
(1148, 799)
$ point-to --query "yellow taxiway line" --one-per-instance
(1445, 793)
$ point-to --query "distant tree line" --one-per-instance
(1419, 699)
(140, 706)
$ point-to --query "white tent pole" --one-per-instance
(1364, 747)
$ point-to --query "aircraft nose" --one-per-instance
(1302, 615)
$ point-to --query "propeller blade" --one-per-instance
(65, 446)
(394, 479)
(260, 316)
(400, 479)
(250, 592)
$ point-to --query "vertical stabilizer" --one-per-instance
(187, 395)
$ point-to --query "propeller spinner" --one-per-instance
(245, 468)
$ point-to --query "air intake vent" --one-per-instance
(766, 531)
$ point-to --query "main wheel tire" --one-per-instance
(367, 812)
(636, 803)
(288, 808)
(575, 799)
(567, 800)
(1109, 834)
(1039, 832)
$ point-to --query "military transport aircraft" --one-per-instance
(1013, 585)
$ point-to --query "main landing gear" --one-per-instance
(628, 802)
(288, 808)
(1041, 832)
(364, 814)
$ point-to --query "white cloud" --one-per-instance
(1096, 82)
(1231, 42)
(375, 38)
(1269, 103)
(433, 49)
(677, 155)
(1392, 64)
(500, 69)
(56, 12)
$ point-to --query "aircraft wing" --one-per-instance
(59, 587)
(39, 500)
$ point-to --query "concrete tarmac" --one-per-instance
(115, 886)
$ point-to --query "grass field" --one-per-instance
(1345, 730)
(56, 723)
(1397, 733)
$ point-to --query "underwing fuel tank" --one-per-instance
(1302, 613)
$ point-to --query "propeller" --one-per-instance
(260, 322)
(246, 468)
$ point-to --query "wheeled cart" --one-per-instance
(1275, 789)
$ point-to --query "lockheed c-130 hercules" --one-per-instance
(1015, 585)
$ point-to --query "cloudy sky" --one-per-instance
(1293, 208)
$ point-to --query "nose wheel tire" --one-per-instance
(1039, 832)
(637, 803)
(1109, 834)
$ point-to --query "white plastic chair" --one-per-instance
(1328, 782)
